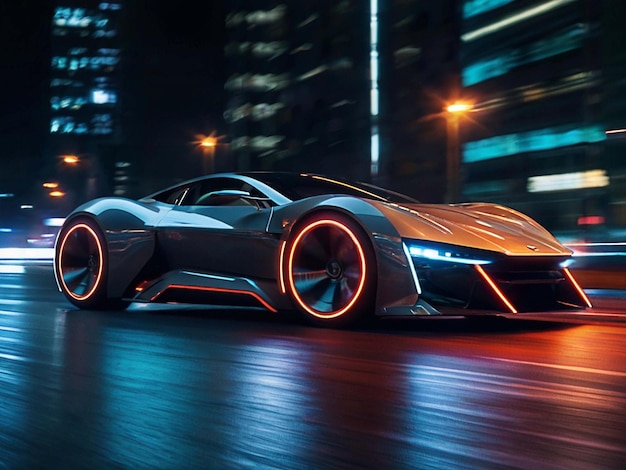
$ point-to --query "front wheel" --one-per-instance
(329, 270)
(81, 265)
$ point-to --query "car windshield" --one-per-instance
(299, 186)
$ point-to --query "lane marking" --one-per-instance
(587, 370)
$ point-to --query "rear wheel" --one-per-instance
(81, 265)
(329, 270)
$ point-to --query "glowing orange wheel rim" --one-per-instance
(326, 269)
(80, 261)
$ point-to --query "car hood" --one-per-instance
(477, 225)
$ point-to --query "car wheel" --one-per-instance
(329, 270)
(81, 265)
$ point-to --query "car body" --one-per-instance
(332, 249)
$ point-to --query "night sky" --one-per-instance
(176, 60)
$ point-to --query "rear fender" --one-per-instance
(130, 237)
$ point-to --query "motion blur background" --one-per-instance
(126, 97)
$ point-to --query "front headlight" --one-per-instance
(447, 253)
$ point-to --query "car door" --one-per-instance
(215, 229)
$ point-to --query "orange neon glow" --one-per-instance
(281, 276)
(256, 296)
(291, 282)
(100, 264)
(141, 286)
(495, 288)
(56, 193)
(50, 185)
(577, 287)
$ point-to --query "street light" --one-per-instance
(70, 159)
(87, 166)
(453, 149)
(208, 144)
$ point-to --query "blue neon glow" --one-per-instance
(494, 66)
(476, 7)
(532, 141)
(431, 253)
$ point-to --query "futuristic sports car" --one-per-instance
(334, 250)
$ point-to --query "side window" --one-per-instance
(172, 196)
(199, 194)
(177, 196)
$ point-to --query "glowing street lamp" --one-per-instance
(453, 151)
(208, 144)
(458, 107)
(70, 159)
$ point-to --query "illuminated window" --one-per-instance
(532, 141)
(99, 96)
(109, 6)
(568, 181)
(490, 67)
(514, 19)
(476, 7)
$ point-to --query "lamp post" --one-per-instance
(208, 145)
(453, 113)
(88, 167)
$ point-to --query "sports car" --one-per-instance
(334, 250)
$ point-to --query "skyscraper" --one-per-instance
(84, 90)
(545, 79)
(338, 87)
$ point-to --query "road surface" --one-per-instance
(164, 388)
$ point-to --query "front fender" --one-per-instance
(395, 284)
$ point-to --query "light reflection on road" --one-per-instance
(151, 388)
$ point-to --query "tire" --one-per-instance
(329, 270)
(81, 266)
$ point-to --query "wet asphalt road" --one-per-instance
(189, 388)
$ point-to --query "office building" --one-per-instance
(337, 87)
(84, 93)
(545, 134)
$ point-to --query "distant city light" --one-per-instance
(54, 221)
(26, 253)
(568, 181)
(514, 19)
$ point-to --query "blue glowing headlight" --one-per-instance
(417, 251)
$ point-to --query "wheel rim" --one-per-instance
(80, 261)
(326, 269)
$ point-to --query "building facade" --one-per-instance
(339, 87)
(85, 97)
(546, 127)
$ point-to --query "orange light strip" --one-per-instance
(100, 265)
(291, 281)
(281, 276)
(219, 289)
(495, 288)
(577, 287)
